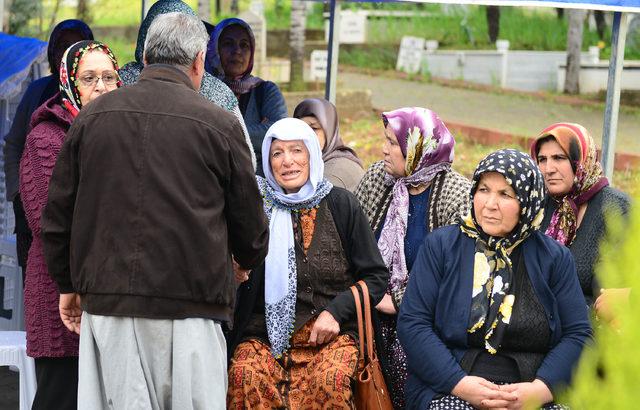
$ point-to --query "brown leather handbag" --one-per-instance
(371, 390)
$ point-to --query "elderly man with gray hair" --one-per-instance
(152, 194)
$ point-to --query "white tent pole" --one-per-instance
(618, 38)
(2, 16)
(144, 10)
(332, 52)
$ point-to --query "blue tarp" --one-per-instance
(632, 6)
(17, 55)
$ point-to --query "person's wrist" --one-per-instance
(458, 389)
(542, 391)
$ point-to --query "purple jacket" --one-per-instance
(46, 335)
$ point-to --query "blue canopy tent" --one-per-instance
(21, 61)
(619, 30)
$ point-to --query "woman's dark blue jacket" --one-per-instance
(434, 315)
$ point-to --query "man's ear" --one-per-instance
(198, 64)
(144, 58)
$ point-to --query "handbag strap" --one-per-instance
(371, 354)
(361, 335)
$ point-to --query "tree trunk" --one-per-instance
(493, 22)
(204, 12)
(574, 46)
(560, 13)
(82, 12)
(4, 22)
(235, 8)
(40, 19)
(296, 44)
(56, 7)
(601, 24)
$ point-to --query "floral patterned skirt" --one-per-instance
(456, 403)
(305, 377)
(396, 370)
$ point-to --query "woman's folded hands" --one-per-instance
(484, 394)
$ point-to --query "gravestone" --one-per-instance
(353, 28)
(257, 7)
(258, 25)
(319, 61)
(410, 54)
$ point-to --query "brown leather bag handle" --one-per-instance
(365, 328)
(371, 355)
(361, 336)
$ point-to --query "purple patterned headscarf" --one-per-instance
(427, 146)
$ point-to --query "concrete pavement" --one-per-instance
(515, 114)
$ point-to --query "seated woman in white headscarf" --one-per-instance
(294, 336)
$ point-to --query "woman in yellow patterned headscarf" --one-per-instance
(493, 316)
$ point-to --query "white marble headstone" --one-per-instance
(319, 61)
(410, 54)
(353, 27)
(259, 27)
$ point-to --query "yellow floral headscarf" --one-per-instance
(491, 300)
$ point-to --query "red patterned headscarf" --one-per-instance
(589, 178)
(69, 70)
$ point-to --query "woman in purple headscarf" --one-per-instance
(407, 195)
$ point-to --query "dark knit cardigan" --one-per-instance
(46, 334)
(364, 261)
(449, 199)
(586, 245)
(434, 316)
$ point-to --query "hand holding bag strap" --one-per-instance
(361, 335)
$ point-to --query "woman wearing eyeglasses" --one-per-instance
(88, 70)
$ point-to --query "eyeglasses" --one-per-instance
(108, 77)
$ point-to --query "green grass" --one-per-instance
(375, 57)
(123, 49)
(526, 29)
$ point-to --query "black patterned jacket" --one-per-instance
(449, 199)
(343, 250)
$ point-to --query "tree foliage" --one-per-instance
(607, 377)
(20, 13)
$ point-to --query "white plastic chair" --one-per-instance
(13, 352)
(12, 299)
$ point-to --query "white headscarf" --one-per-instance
(280, 263)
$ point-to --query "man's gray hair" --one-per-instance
(175, 39)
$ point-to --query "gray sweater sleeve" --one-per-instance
(238, 114)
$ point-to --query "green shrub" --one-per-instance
(609, 371)
(376, 57)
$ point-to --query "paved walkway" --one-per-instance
(519, 115)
